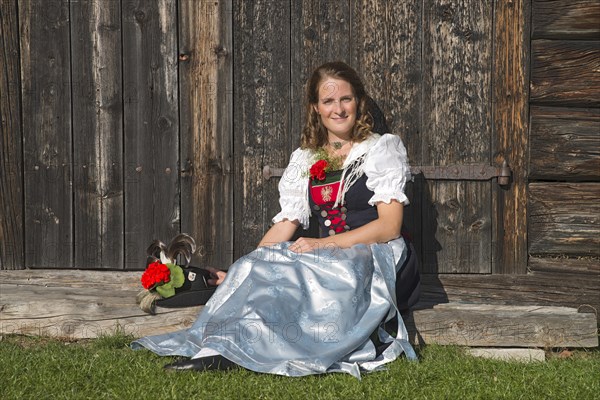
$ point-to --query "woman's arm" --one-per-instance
(279, 232)
(385, 228)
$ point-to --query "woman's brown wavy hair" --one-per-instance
(314, 134)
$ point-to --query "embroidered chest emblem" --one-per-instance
(326, 193)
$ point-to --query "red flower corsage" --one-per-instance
(317, 171)
(155, 274)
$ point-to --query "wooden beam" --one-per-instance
(87, 304)
(551, 289)
(574, 267)
(565, 19)
(503, 326)
(564, 218)
(510, 124)
(565, 72)
(565, 144)
(11, 156)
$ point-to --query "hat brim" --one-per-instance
(194, 292)
(188, 298)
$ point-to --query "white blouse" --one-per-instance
(385, 164)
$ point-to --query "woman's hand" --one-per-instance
(303, 245)
(217, 276)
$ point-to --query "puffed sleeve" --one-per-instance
(387, 170)
(293, 190)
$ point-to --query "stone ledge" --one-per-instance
(520, 355)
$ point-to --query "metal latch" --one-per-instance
(471, 172)
(269, 172)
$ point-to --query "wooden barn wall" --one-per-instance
(133, 120)
(564, 157)
(116, 129)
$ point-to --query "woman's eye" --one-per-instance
(347, 99)
(328, 101)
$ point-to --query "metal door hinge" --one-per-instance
(472, 172)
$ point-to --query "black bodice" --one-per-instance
(354, 213)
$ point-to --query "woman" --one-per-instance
(310, 306)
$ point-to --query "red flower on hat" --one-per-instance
(155, 274)
(317, 171)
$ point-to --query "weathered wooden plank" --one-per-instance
(205, 110)
(565, 72)
(333, 19)
(565, 19)
(151, 145)
(386, 50)
(47, 135)
(579, 292)
(457, 65)
(565, 144)
(503, 326)
(97, 134)
(73, 305)
(263, 135)
(544, 289)
(11, 156)
(320, 32)
(369, 49)
(564, 218)
(510, 126)
(84, 313)
(572, 266)
(84, 304)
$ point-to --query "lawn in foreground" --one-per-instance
(34, 368)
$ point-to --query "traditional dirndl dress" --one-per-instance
(298, 314)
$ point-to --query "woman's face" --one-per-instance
(337, 107)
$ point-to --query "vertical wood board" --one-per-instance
(11, 157)
(457, 66)
(151, 126)
(262, 133)
(510, 134)
(320, 32)
(47, 134)
(388, 57)
(206, 96)
(97, 134)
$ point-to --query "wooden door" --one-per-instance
(449, 76)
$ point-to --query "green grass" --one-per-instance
(35, 368)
